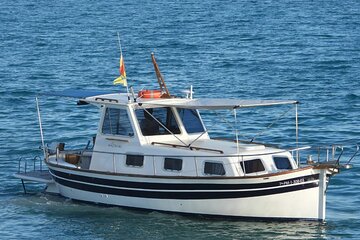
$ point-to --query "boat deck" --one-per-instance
(41, 176)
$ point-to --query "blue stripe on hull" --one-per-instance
(181, 186)
(68, 180)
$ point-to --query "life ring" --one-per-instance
(150, 94)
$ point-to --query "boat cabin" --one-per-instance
(167, 137)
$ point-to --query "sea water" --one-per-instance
(300, 50)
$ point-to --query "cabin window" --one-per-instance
(252, 166)
(135, 160)
(149, 126)
(191, 120)
(173, 164)
(282, 163)
(214, 168)
(117, 122)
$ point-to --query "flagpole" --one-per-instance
(119, 42)
(127, 88)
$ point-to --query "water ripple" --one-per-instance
(303, 50)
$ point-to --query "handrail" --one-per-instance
(170, 144)
(117, 139)
(196, 158)
(276, 151)
(177, 155)
(189, 147)
(207, 149)
(107, 99)
(245, 141)
(23, 165)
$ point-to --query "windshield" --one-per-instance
(161, 119)
(191, 120)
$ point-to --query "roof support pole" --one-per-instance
(237, 138)
(297, 134)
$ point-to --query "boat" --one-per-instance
(152, 151)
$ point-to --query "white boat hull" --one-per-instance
(294, 195)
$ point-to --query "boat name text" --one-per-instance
(293, 181)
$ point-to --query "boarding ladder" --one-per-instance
(32, 169)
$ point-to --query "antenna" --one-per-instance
(40, 126)
(160, 79)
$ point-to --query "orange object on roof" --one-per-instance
(150, 94)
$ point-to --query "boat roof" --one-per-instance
(102, 97)
(77, 93)
(216, 103)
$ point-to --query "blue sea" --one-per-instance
(300, 50)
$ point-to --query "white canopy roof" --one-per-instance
(215, 103)
(102, 97)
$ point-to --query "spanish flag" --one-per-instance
(122, 78)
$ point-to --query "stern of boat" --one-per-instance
(32, 170)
